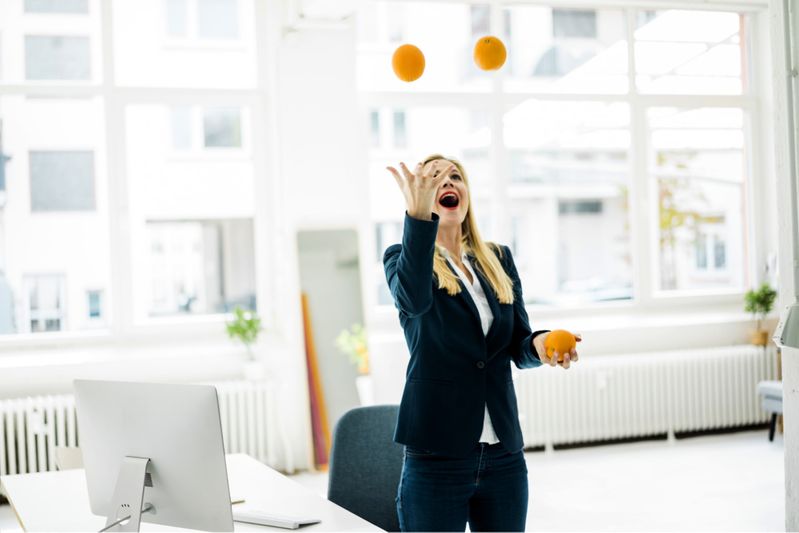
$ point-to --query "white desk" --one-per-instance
(59, 501)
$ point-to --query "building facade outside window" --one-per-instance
(567, 148)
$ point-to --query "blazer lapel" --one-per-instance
(467, 298)
(493, 303)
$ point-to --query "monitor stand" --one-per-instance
(129, 495)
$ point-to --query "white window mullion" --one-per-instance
(500, 201)
(268, 209)
(754, 189)
(640, 196)
(121, 289)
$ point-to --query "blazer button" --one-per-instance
(481, 364)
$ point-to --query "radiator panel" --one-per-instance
(639, 395)
(600, 398)
(31, 428)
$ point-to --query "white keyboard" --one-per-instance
(251, 516)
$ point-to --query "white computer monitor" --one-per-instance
(174, 426)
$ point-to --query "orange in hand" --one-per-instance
(489, 53)
(408, 62)
(561, 341)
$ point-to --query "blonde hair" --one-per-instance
(485, 253)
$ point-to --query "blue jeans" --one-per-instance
(440, 493)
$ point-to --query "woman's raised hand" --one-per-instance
(419, 187)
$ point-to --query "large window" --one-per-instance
(125, 201)
(598, 152)
(698, 167)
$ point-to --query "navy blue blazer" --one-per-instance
(455, 370)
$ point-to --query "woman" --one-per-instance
(458, 417)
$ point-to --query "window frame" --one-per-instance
(32, 279)
(257, 124)
(643, 239)
(193, 39)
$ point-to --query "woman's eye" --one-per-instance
(455, 177)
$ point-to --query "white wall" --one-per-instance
(317, 170)
(318, 136)
(331, 277)
(788, 251)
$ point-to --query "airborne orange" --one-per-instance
(408, 62)
(489, 53)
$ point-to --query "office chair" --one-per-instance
(770, 393)
(365, 465)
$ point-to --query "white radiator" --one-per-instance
(31, 428)
(621, 396)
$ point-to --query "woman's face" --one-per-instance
(452, 198)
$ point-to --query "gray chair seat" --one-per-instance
(366, 463)
(770, 393)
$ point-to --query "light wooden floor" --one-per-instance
(730, 482)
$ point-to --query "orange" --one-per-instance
(408, 62)
(561, 341)
(489, 53)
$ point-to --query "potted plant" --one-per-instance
(352, 343)
(760, 302)
(245, 327)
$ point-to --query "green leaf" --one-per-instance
(245, 326)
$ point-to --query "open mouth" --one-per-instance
(449, 200)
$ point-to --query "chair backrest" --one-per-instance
(366, 463)
(68, 458)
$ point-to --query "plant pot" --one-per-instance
(365, 391)
(254, 371)
(759, 337)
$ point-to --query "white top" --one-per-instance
(486, 318)
(59, 501)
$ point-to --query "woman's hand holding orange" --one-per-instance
(420, 186)
(539, 343)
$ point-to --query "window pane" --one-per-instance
(182, 127)
(192, 219)
(217, 19)
(45, 303)
(3, 160)
(719, 252)
(566, 50)
(400, 132)
(222, 127)
(452, 132)
(567, 142)
(386, 234)
(698, 163)
(95, 304)
(574, 23)
(56, 6)
(50, 41)
(62, 181)
(689, 52)
(185, 43)
(177, 14)
(374, 128)
(481, 20)
(57, 57)
(448, 48)
(203, 266)
(54, 240)
(701, 252)
(569, 212)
